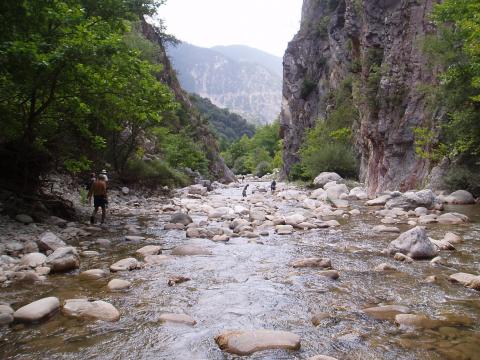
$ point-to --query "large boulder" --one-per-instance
(379, 201)
(248, 342)
(37, 310)
(413, 243)
(197, 189)
(181, 218)
(48, 241)
(63, 259)
(326, 177)
(118, 284)
(460, 197)
(334, 192)
(411, 200)
(24, 219)
(83, 308)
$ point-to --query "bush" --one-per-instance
(463, 178)
(336, 157)
(153, 173)
(307, 87)
(263, 168)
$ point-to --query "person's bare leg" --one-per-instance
(94, 213)
(104, 213)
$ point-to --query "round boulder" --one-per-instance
(37, 310)
(413, 243)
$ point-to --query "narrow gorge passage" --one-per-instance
(249, 283)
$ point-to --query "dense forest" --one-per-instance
(80, 91)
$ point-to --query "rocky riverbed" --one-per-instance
(298, 274)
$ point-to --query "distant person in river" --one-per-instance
(273, 186)
(99, 192)
(88, 184)
(244, 192)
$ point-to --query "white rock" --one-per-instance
(326, 177)
(118, 284)
(149, 250)
(33, 260)
(177, 318)
(125, 265)
(284, 229)
(94, 273)
(37, 310)
(335, 191)
(82, 308)
(125, 190)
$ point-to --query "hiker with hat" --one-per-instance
(104, 173)
(99, 192)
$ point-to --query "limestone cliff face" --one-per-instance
(378, 44)
(203, 134)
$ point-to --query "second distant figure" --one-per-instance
(244, 192)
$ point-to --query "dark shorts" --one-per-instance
(99, 201)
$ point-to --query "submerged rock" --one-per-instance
(185, 250)
(413, 243)
(386, 312)
(82, 308)
(332, 274)
(177, 318)
(94, 273)
(118, 284)
(417, 321)
(63, 259)
(37, 310)
(312, 262)
(318, 317)
(181, 218)
(24, 219)
(249, 342)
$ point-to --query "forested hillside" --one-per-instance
(80, 90)
(227, 125)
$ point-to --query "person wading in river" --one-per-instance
(244, 192)
(273, 186)
(99, 192)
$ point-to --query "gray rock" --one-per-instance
(37, 310)
(460, 197)
(149, 250)
(334, 192)
(321, 357)
(181, 218)
(82, 308)
(379, 201)
(118, 284)
(6, 314)
(156, 259)
(14, 247)
(134, 238)
(326, 177)
(386, 229)
(50, 241)
(24, 219)
(413, 243)
(411, 200)
(284, 229)
(103, 242)
(331, 274)
(452, 218)
(125, 190)
(125, 265)
(249, 342)
(63, 259)
(33, 260)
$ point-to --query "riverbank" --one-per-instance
(246, 269)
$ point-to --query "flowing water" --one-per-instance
(250, 285)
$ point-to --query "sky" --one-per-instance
(267, 25)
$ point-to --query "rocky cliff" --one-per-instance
(377, 43)
(231, 80)
(203, 134)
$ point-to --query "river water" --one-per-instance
(248, 284)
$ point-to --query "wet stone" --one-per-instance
(63, 259)
(386, 312)
(312, 262)
(185, 250)
(177, 318)
(321, 357)
(94, 274)
(331, 274)
(249, 342)
(156, 259)
(149, 250)
(118, 284)
(177, 280)
(82, 308)
(33, 260)
(37, 310)
(134, 238)
(318, 317)
(125, 265)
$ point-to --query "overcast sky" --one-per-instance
(267, 25)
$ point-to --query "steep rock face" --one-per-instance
(217, 166)
(247, 88)
(378, 45)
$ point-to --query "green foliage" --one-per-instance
(259, 154)
(463, 177)
(77, 166)
(456, 49)
(83, 195)
(328, 146)
(426, 145)
(322, 26)
(229, 126)
(307, 87)
(153, 173)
